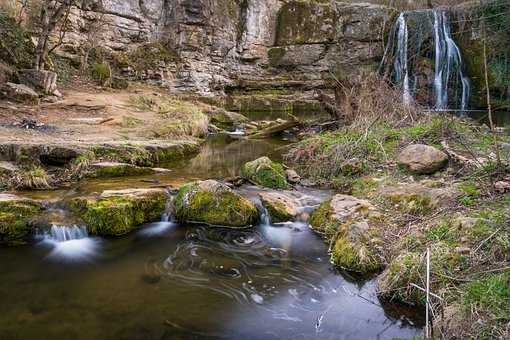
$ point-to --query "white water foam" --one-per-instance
(70, 243)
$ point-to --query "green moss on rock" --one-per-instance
(15, 213)
(280, 207)
(112, 169)
(352, 225)
(214, 203)
(266, 173)
(117, 213)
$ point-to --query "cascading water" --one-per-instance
(70, 243)
(448, 63)
(418, 39)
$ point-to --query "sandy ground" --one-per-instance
(83, 115)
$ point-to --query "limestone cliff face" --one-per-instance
(230, 43)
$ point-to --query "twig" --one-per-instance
(424, 290)
(487, 239)
(427, 327)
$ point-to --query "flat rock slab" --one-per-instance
(114, 169)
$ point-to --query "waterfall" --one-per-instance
(416, 37)
(63, 234)
(448, 63)
(70, 243)
(401, 65)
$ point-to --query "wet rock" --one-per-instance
(115, 213)
(214, 203)
(354, 226)
(422, 159)
(417, 197)
(114, 169)
(281, 208)
(266, 173)
(15, 212)
(223, 118)
(19, 93)
(292, 176)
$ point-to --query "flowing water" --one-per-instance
(171, 281)
(417, 40)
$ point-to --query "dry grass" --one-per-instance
(185, 118)
(33, 177)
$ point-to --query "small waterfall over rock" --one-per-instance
(423, 59)
(63, 234)
(71, 243)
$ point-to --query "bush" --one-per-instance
(101, 72)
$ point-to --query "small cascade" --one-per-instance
(423, 59)
(265, 218)
(159, 228)
(70, 243)
(63, 234)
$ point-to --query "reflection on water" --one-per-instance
(272, 281)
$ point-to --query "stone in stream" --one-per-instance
(281, 207)
(15, 212)
(115, 169)
(214, 203)
(115, 213)
(354, 226)
(266, 173)
(422, 159)
(292, 176)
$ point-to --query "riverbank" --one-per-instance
(451, 197)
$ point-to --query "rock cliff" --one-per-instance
(237, 44)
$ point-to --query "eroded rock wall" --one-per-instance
(237, 43)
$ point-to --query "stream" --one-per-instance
(170, 281)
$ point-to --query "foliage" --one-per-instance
(16, 47)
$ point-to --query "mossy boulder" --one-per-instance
(408, 269)
(214, 203)
(225, 119)
(266, 173)
(280, 207)
(353, 225)
(15, 213)
(419, 197)
(115, 213)
(114, 169)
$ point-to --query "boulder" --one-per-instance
(223, 118)
(281, 207)
(45, 81)
(292, 176)
(418, 197)
(114, 169)
(354, 227)
(266, 173)
(422, 159)
(19, 93)
(214, 203)
(15, 212)
(115, 213)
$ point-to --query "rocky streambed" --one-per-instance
(143, 256)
